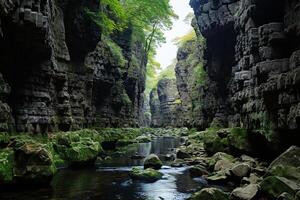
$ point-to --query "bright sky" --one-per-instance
(167, 52)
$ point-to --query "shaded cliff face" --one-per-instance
(190, 77)
(252, 64)
(165, 104)
(56, 74)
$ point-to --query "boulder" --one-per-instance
(287, 164)
(252, 179)
(152, 161)
(273, 186)
(246, 193)
(182, 154)
(241, 170)
(220, 177)
(218, 156)
(285, 196)
(198, 170)
(223, 165)
(77, 149)
(34, 161)
(209, 194)
(147, 175)
(213, 143)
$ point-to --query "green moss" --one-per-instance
(213, 143)
(209, 194)
(116, 52)
(275, 186)
(78, 146)
(4, 139)
(6, 165)
(238, 138)
(286, 171)
(148, 175)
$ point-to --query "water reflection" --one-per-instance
(111, 181)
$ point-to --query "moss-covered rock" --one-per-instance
(219, 156)
(143, 139)
(238, 139)
(273, 186)
(152, 161)
(147, 175)
(33, 161)
(6, 165)
(287, 164)
(213, 143)
(78, 147)
(209, 194)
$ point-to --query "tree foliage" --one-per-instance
(147, 18)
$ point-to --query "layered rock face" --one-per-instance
(165, 104)
(252, 64)
(190, 76)
(56, 74)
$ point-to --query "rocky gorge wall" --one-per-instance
(166, 105)
(252, 62)
(56, 73)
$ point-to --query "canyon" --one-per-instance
(72, 97)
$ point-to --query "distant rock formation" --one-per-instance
(165, 104)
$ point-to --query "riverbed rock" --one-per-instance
(285, 196)
(77, 148)
(209, 194)
(274, 186)
(183, 153)
(240, 170)
(252, 179)
(245, 193)
(34, 161)
(147, 175)
(287, 164)
(198, 170)
(152, 161)
(219, 156)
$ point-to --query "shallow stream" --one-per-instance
(109, 180)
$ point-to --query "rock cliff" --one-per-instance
(165, 104)
(57, 74)
(190, 77)
(252, 65)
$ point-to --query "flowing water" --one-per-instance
(109, 180)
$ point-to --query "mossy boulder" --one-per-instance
(273, 186)
(79, 150)
(152, 161)
(147, 175)
(209, 194)
(248, 192)
(143, 139)
(6, 165)
(238, 140)
(287, 164)
(213, 143)
(33, 161)
(219, 156)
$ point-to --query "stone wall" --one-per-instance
(252, 64)
(56, 73)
